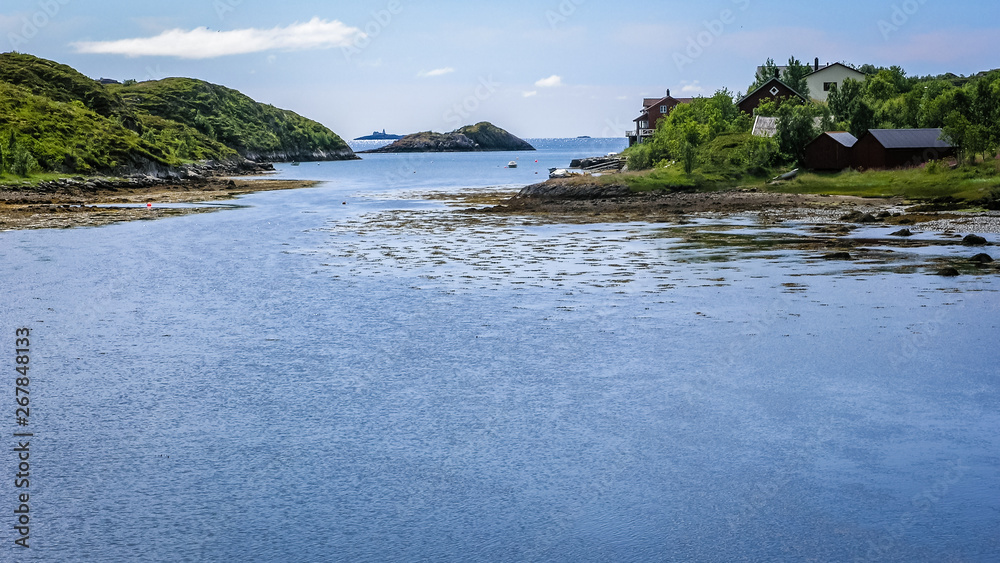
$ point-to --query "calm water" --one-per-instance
(354, 373)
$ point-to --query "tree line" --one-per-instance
(967, 109)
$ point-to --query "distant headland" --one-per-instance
(376, 136)
(480, 137)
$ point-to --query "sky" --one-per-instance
(542, 68)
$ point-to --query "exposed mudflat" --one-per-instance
(73, 206)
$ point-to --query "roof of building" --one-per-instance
(829, 66)
(842, 137)
(813, 69)
(770, 83)
(910, 138)
(768, 126)
(765, 126)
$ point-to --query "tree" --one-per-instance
(844, 100)
(766, 72)
(955, 130)
(862, 119)
(22, 162)
(796, 127)
(795, 76)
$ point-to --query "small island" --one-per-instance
(376, 136)
(481, 137)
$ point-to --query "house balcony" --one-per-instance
(643, 133)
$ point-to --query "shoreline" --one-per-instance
(73, 205)
(582, 202)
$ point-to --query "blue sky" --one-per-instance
(539, 69)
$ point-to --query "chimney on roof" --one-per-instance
(816, 67)
(668, 92)
(777, 73)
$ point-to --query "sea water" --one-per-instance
(354, 372)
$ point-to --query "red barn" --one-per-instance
(899, 148)
(830, 151)
(773, 89)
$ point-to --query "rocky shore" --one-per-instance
(586, 200)
(93, 201)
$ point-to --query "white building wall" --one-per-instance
(835, 73)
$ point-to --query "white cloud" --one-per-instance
(436, 72)
(553, 81)
(692, 88)
(530, 94)
(202, 43)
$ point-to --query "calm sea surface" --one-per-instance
(355, 372)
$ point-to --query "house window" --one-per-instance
(664, 110)
(643, 125)
(774, 90)
(829, 86)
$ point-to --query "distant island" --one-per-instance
(481, 137)
(376, 136)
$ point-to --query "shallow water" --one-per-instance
(347, 373)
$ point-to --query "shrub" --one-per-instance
(640, 157)
(934, 167)
(23, 163)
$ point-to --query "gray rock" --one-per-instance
(837, 256)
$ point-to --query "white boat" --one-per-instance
(512, 164)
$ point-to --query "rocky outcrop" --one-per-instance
(974, 240)
(981, 259)
(316, 155)
(148, 177)
(481, 137)
(554, 189)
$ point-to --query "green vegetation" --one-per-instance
(794, 75)
(231, 118)
(709, 139)
(52, 118)
(968, 109)
(707, 144)
(974, 184)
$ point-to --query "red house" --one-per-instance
(653, 110)
(830, 151)
(899, 148)
(773, 89)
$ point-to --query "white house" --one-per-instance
(823, 79)
(828, 78)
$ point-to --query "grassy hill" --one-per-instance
(257, 131)
(70, 123)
